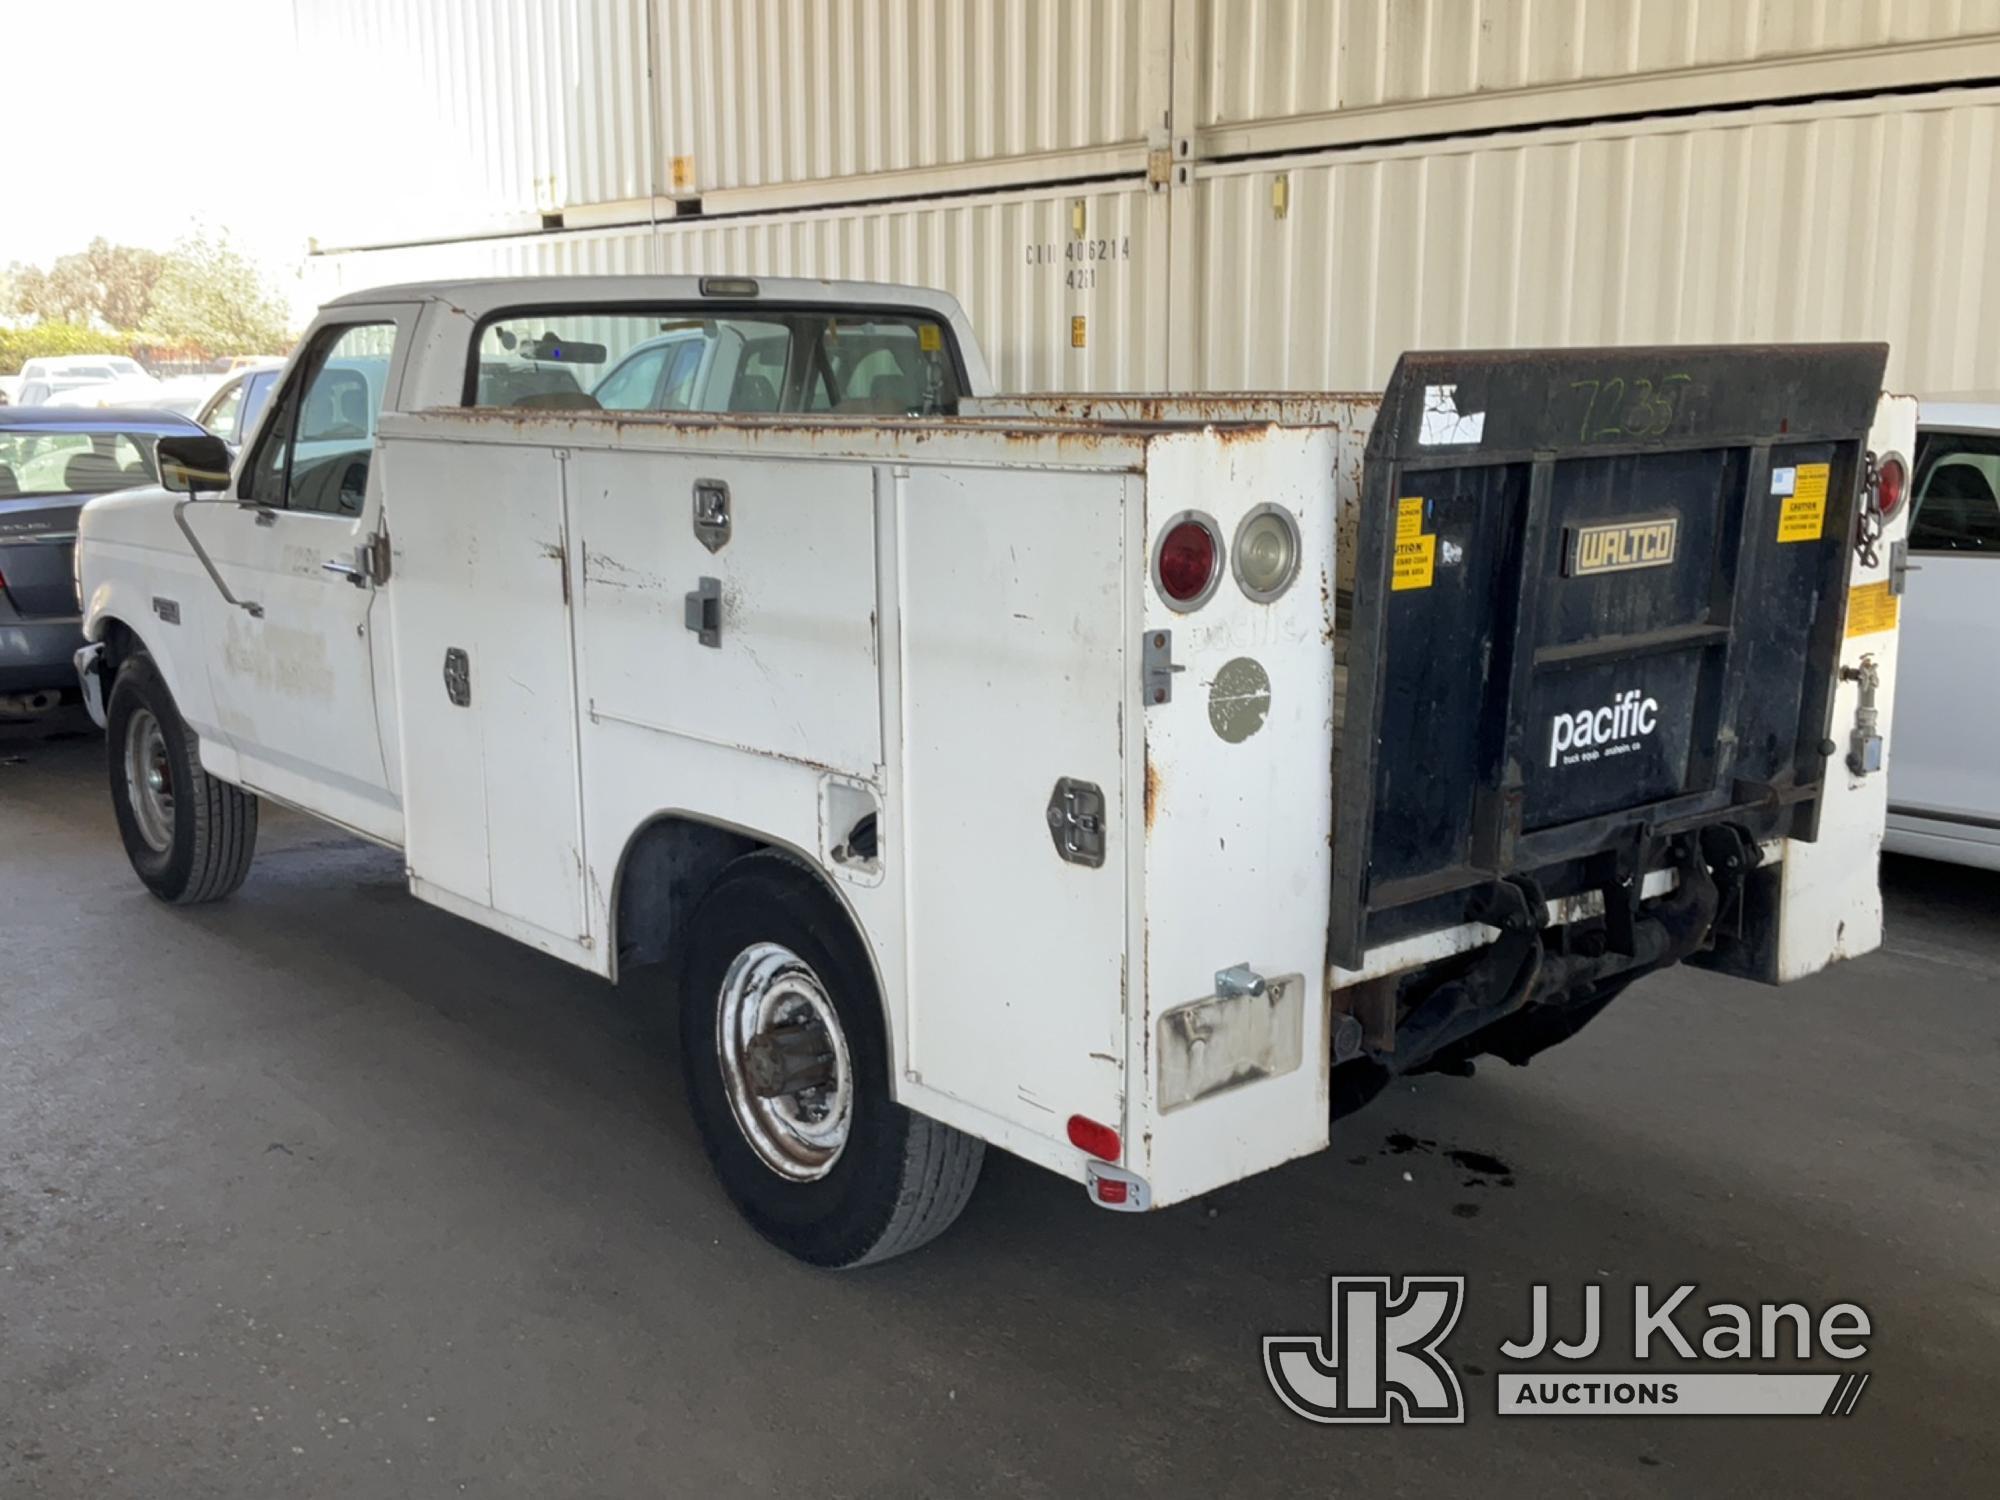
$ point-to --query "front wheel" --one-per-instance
(189, 836)
(787, 1067)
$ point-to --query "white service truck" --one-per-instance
(1136, 784)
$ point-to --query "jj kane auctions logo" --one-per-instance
(1382, 1359)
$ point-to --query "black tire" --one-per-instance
(211, 826)
(900, 1178)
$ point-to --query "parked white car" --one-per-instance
(48, 377)
(1944, 777)
(1133, 784)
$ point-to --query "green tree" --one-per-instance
(210, 297)
(106, 283)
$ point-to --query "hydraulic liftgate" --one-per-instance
(1597, 605)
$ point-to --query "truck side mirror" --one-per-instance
(193, 462)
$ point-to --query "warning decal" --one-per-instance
(1416, 552)
(1802, 513)
(1871, 609)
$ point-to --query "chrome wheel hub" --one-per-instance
(784, 1061)
(149, 780)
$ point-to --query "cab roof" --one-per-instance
(480, 297)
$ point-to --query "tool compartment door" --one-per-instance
(486, 689)
(1598, 597)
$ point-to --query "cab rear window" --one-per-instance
(709, 359)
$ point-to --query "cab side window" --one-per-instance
(1958, 494)
(313, 453)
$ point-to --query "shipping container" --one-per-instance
(474, 116)
(1857, 219)
(601, 252)
(890, 98)
(497, 116)
(1286, 75)
(1066, 288)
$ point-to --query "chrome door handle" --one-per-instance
(348, 571)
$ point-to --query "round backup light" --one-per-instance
(1892, 485)
(1265, 554)
(1187, 562)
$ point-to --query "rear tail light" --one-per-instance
(1187, 561)
(1092, 1138)
(1892, 485)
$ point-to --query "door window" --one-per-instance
(313, 454)
(1958, 494)
(631, 386)
(220, 418)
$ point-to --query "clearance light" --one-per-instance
(1093, 1138)
(1187, 562)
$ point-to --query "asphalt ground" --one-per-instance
(321, 1192)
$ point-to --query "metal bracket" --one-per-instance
(1076, 822)
(1899, 566)
(704, 612)
(711, 513)
(1156, 666)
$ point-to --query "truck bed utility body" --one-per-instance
(1180, 769)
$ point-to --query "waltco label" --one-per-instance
(1618, 546)
(1801, 493)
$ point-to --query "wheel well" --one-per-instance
(666, 868)
(120, 641)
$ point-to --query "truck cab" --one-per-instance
(1134, 783)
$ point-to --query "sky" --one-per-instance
(139, 120)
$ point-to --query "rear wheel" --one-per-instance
(787, 1071)
(189, 836)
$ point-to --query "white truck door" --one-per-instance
(293, 685)
(1947, 719)
(486, 691)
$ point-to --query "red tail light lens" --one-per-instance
(1892, 486)
(1092, 1138)
(1188, 561)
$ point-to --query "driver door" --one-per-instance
(293, 676)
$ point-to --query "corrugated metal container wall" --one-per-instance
(608, 252)
(1027, 267)
(475, 115)
(1277, 60)
(762, 93)
(1863, 219)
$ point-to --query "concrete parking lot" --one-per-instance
(322, 1192)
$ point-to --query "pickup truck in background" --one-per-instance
(1136, 784)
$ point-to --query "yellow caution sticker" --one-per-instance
(928, 338)
(1076, 333)
(1802, 511)
(1416, 561)
(683, 173)
(1409, 519)
(1871, 609)
(1416, 552)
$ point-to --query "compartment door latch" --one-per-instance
(1076, 821)
(704, 612)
